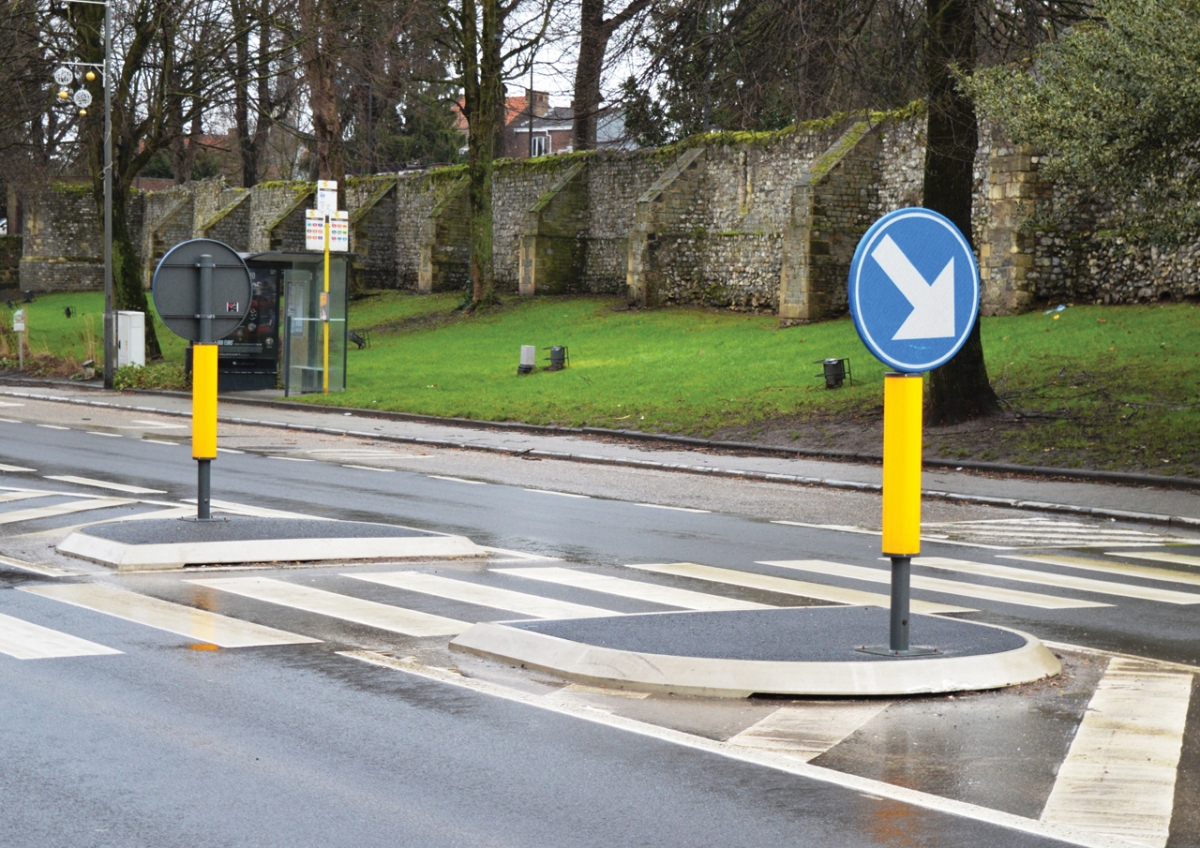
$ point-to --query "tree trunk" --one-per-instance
(241, 95)
(959, 390)
(593, 42)
(482, 90)
(317, 20)
(128, 292)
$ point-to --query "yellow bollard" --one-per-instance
(902, 398)
(204, 401)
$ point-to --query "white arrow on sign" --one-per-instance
(932, 316)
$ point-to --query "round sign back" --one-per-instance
(177, 289)
(914, 289)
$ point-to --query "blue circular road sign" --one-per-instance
(914, 289)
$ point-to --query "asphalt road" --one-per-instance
(489, 501)
(176, 744)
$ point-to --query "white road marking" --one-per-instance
(106, 435)
(559, 494)
(1108, 567)
(1043, 532)
(289, 458)
(162, 442)
(200, 625)
(27, 494)
(11, 421)
(457, 480)
(334, 605)
(810, 730)
(786, 586)
(158, 424)
(782, 763)
(936, 584)
(16, 469)
(370, 468)
(520, 556)
(104, 484)
(61, 509)
(62, 531)
(258, 511)
(483, 596)
(35, 567)
(636, 589)
(675, 508)
(1160, 556)
(580, 689)
(1063, 581)
(841, 528)
(26, 641)
(9, 403)
(1119, 774)
(229, 450)
(52, 427)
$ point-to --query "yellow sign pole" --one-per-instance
(325, 313)
(902, 435)
(204, 401)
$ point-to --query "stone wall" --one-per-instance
(373, 232)
(10, 261)
(62, 241)
(744, 221)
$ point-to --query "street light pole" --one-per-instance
(110, 316)
(63, 77)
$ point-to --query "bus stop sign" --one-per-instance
(179, 278)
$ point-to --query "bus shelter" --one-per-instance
(283, 339)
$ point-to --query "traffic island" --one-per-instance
(168, 543)
(793, 651)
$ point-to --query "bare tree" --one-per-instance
(476, 36)
(159, 45)
(595, 33)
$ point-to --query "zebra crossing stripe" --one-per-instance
(197, 624)
(1161, 556)
(56, 510)
(334, 605)
(810, 730)
(787, 586)
(484, 596)
(936, 584)
(1108, 567)
(635, 589)
(1063, 581)
(104, 484)
(27, 494)
(26, 641)
(1119, 775)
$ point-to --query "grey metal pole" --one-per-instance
(204, 466)
(204, 490)
(110, 317)
(205, 317)
(901, 573)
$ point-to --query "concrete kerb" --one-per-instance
(811, 673)
(827, 482)
(163, 544)
(1082, 474)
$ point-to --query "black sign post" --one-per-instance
(202, 293)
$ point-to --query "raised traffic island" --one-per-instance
(797, 651)
(166, 543)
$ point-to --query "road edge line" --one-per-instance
(753, 756)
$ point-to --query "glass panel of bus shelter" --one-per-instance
(306, 307)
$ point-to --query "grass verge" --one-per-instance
(1088, 386)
